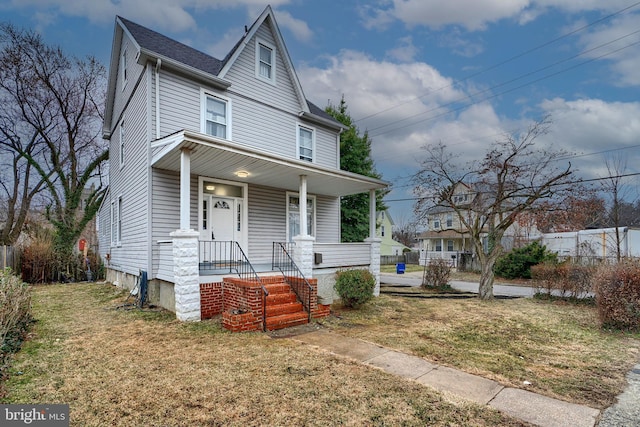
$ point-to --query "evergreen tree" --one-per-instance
(355, 156)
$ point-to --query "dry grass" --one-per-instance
(132, 368)
(556, 346)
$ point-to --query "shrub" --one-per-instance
(355, 287)
(618, 295)
(567, 280)
(436, 275)
(15, 316)
(518, 262)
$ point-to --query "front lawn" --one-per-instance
(557, 347)
(133, 368)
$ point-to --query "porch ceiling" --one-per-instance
(220, 159)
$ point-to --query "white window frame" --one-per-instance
(311, 228)
(204, 95)
(121, 143)
(449, 220)
(272, 48)
(116, 221)
(299, 128)
(450, 246)
(382, 231)
(124, 67)
(436, 223)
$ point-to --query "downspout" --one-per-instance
(158, 64)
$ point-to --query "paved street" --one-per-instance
(415, 279)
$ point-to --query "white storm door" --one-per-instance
(218, 219)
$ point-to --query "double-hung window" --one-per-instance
(265, 61)
(122, 142)
(116, 222)
(306, 142)
(293, 215)
(216, 116)
(123, 67)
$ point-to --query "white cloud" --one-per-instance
(404, 52)
(474, 15)
(625, 57)
(588, 126)
(298, 28)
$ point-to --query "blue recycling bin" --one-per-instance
(400, 268)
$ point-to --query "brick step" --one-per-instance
(274, 299)
(278, 288)
(290, 307)
(287, 320)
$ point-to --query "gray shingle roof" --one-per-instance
(165, 46)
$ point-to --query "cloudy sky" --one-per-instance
(416, 72)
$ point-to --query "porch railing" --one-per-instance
(227, 257)
(281, 260)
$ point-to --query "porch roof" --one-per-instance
(222, 159)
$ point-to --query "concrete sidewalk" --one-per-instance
(524, 405)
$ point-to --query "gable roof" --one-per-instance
(153, 46)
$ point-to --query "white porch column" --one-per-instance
(303, 254)
(374, 266)
(186, 283)
(185, 189)
(372, 214)
(186, 286)
(304, 227)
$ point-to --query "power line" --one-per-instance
(506, 61)
(581, 181)
(372, 133)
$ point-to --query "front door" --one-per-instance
(220, 219)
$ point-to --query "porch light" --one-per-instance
(242, 174)
(210, 187)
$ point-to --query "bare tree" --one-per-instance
(50, 118)
(616, 185)
(405, 231)
(513, 177)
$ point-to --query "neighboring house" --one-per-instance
(222, 172)
(384, 231)
(597, 244)
(446, 237)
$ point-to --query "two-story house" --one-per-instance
(447, 237)
(384, 230)
(222, 172)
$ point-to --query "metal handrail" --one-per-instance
(227, 256)
(281, 260)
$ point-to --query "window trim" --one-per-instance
(299, 127)
(124, 67)
(204, 95)
(311, 198)
(271, 47)
(121, 143)
(116, 222)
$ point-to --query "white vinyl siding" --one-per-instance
(130, 184)
(242, 75)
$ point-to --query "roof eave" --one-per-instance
(322, 121)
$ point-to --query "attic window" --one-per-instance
(123, 65)
(265, 61)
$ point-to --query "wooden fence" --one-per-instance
(9, 257)
(406, 258)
